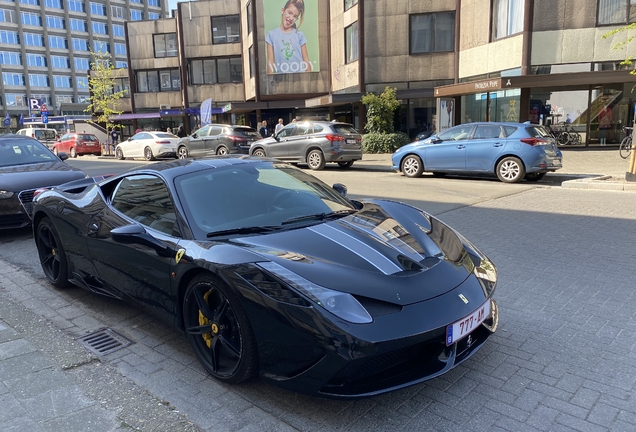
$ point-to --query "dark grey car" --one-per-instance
(314, 143)
(217, 139)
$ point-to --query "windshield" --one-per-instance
(24, 151)
(265, 194)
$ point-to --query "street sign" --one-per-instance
(45, 117)
(44, 108)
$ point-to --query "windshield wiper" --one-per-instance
(319, 216)
(243, 230)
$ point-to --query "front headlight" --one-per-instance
(341, 304)
(5, 194)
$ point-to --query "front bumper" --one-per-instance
(13, 214)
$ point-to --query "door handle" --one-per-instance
(93, 228)
(497, 144)
(461, 146)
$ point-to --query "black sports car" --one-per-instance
(25, 165)
(269, 270)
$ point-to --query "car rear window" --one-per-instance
(537, 131)
(165, 135)
(87, 137)
(246, 131)
(344, 129)
(45, 134)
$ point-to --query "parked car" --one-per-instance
(26, 165)
(217, 139)
(148, 145)
(46, 136)
(511, 151)
(314, 143)
(269, 270)
(78, 144)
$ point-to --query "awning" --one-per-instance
(133, 116)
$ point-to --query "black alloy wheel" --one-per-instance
(219, 331)
(52, 255)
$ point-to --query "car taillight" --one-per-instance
(237, 139)
(162, 142)
(533, 141)
(334, 138)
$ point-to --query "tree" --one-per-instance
(103, 97)
(380, 110)
(623, 44)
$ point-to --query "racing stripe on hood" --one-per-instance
(369, 254)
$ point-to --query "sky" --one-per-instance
(172, 4)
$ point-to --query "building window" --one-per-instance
(136, 1)
(55, 22)
(216, 71)
(38, 80)
(252, 65)
(43, 98)
(507, 18)
(158, 80)
(60, 62)
(81, 64)
(120, 48)
(33, 39)
(117, 11)
(31, 2)
(154, 3)
(62, 99)
(15, 99)
(53, 4)
(121, 64)
(10, 58)
(250, 17)
(225, 29)
(9, 37)
(82, 83)
(7, 15)
(78, 25)
(434, 32)
(616, 12)
(351, 43)
(37, 60)
(58, 42)
(122, 84)
(62, 81)
(99, 28)
(136, 15)
(118, 30)
(30, 18)
(99, 46)
(154, 16)
(165, 45)
(98, 9)
(12, 79)
(80, 44)
(76, 6)
(350, 3)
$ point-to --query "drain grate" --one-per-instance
(104, 341)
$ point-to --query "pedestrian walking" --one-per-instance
(279, 125)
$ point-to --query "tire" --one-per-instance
(563, 138)
(534, 177)
(625, 147)
(218, 330)
(221, 150)
(412, 166)
(73, 153)
(55, 152)
(182, 152)
(148, 154)
(119, 154)
(510, 170)
(345, 165)
(577, 139)
(51, 253)
(259, 153)
(315, 160)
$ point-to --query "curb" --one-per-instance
(606, 182)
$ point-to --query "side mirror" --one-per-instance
(129, 139)
(194, 135)
(340, 188)
(136, 234)
(62, 155)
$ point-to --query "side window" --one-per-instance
(215, 130)
(487, 132)
(203, 131)
(303, 129)
(317, 128)
(509, 130)
(455, 134)
(145, 199)
(287, 131)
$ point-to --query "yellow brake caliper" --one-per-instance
(204, 321)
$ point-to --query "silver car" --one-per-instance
(314, 143)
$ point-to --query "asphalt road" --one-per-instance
(562, 360)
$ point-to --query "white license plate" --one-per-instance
(466, 325)
(90, 144)
(352, 141)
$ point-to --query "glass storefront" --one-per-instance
(502, 106)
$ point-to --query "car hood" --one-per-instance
(23, 177)
(387, 251)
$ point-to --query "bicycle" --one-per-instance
(625, 148)
(568, 135)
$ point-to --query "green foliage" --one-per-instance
(380, 109)
(621, 45)
(103, 97)
(383, 142)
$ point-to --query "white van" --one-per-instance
(48, 137)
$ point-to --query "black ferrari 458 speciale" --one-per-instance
(269, 270)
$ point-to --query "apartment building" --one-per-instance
(45, 49)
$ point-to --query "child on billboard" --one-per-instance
(286, 45)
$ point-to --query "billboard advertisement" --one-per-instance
(291, 39)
